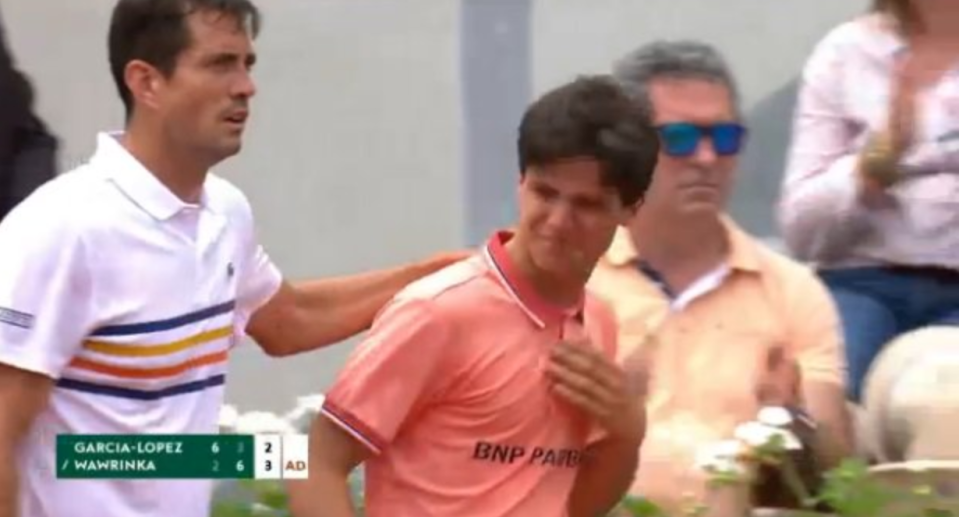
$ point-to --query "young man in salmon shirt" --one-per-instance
(489, 389)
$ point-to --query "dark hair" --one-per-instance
(593, 117)
(900, 11)
(156, 32)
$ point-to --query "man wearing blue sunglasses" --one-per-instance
(727, 324)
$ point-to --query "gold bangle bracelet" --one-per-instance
(879, 160)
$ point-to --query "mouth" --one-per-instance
(237, 118)
(701, 186)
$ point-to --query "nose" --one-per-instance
(245, 87)
(559, 218)
(705, 152)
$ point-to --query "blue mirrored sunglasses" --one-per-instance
(681, 139)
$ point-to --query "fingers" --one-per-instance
(588, 364)
(587, 379)
(780, 381)
(581, 400)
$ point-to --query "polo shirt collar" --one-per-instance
(743, 253)
(136, 181)
(520, 289)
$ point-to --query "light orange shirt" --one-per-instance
(449, 392)
(710, 346)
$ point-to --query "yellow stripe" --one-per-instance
(129, 350)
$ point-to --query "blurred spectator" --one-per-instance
(871, 194)
(728, 325)
(27, 150)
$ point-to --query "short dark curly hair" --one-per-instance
(592, 117)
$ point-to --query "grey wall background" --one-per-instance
(384, 130)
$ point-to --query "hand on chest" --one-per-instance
(504, 394)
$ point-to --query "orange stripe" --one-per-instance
(150, 373)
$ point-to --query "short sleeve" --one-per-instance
(259, 278)
(46, 289)
(392, 374)
(816, 342)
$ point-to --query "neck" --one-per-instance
(939, 19)
(173, 167)
(700, 243)
(557, 290)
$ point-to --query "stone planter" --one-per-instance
(911, 397)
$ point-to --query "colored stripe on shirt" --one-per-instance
(128, 393)
(126, 350)
(168, 324)
(150, 373)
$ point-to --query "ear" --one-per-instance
(629, 212)
(144, 81)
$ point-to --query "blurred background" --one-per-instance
(383, 130)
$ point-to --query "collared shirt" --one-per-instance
(707, 347)
(449, 393)
(131, 300)
(844, 97)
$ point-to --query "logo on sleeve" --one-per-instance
(16, 318)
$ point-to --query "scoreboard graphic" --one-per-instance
(193, 456)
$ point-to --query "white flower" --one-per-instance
(262, 422)
(774, 416)
(757, 434)
(302, 416)
(721, 457)
(228, 417)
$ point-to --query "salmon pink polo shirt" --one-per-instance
(450, 394)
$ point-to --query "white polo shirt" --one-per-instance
(131, 300)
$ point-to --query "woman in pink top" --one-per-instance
(871, 194)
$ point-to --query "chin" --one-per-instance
(229, 150)
(553, 267)
(702, 208)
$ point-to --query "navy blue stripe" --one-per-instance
(128, 393)
(656, 278)
(502, 274)
(172, 323)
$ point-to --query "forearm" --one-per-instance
(337, 308)
(823, 404)
(317, 313)
(823, 215)
(8, 481)
(833, 440)
(325, 494)
(604, 477)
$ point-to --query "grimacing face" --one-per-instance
(568, 217)
(699, 183)
(204, 103)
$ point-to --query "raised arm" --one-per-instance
(820, 210)
(307, 315)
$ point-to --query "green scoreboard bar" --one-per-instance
(182, 456)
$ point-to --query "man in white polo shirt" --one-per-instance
(124, 284)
